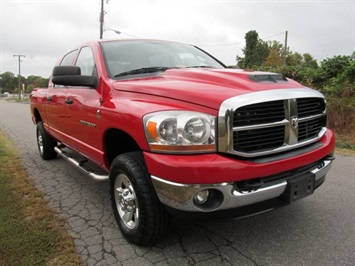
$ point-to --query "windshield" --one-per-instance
(131, 58)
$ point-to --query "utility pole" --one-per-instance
(102, 15)
(285, 49)
(19, 73)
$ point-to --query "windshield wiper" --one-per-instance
(142, 71)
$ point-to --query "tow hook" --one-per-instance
(330, 158)
(250, 185)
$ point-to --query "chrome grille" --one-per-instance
(310, 129)
(262, 123)
(310, 106)
(259, 139)
(255, 114)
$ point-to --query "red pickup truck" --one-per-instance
(175, 131)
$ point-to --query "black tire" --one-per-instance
(45, 143)
(140, 216)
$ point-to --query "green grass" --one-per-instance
(343, 145)
(30, 232)
(346, 142)
(17, 100)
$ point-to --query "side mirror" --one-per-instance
(71, 76)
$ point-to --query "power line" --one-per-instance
(277, 34)
(238, 43)
(225, 44)
(105, 28)
(130, 35)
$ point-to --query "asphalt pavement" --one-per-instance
(318, 230)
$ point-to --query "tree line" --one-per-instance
(9, 82)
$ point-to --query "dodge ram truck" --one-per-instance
(174, 131)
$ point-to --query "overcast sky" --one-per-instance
(43, 30)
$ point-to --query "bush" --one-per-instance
(341, 114)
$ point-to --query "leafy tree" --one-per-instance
(255, 51)
(274, 59)
(251, 43)
(309, 61)
(35, 82)
(240, 61)
(8, 82)
(349, 72)
(294, 59)
(277, 46)
(331, 69)
(262, 52)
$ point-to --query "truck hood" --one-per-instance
(205, 87)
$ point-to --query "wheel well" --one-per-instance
(37, 115)
(117, 142)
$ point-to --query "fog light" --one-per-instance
(201, 197)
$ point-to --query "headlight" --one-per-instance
(180, 131)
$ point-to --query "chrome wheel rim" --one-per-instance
(40, 142)
(126, 201)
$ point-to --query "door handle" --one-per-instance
(68, 101)
(49, 98)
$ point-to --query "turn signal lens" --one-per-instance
(152, 129)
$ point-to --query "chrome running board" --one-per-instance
(81, 165)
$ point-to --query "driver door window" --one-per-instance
(86, 62)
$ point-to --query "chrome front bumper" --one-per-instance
(181, 196)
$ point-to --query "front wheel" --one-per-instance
(45, 143)
(139, 214)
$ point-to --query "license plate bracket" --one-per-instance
(299, 187)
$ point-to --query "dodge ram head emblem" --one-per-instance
(294, 121)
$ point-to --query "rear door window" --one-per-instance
(68, 59)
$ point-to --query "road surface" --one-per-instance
(318, 230)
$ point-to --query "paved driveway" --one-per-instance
(319, 230)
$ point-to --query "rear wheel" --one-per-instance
(45, 143)
(139, 214)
